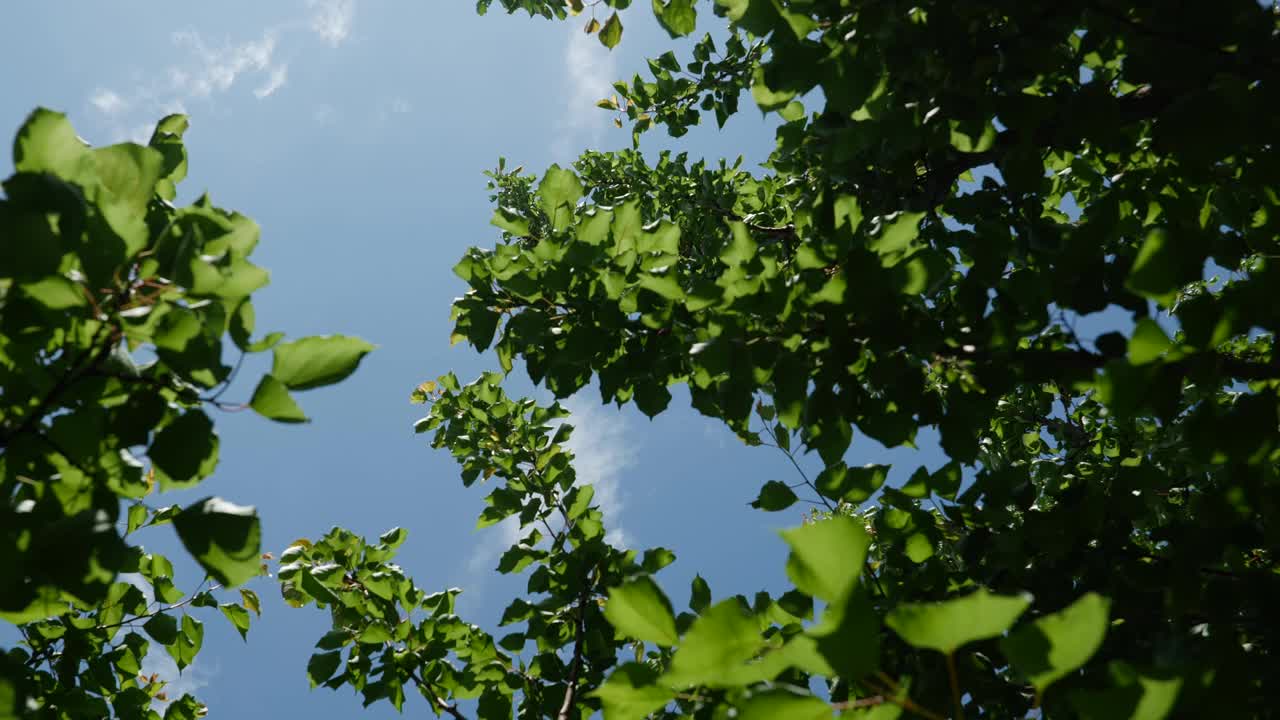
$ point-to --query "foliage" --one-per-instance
(115, 306)
(957, 190)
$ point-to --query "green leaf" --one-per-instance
(394, 537)
(969, 140)
(225, 538)
(558, 195)
(677, 17)
(945, 626)
(699, 594)
(715, 648)
(611, 34)
(897, 237)
(580, 501)
(741, 248)
(1049, 648)
(657, 558)
(774, 704)
(374, 633)
(238, 616)
(854, 485)
(1157, 270)
(631, 692)
(185, 452)
(827, 557)
(251, 601)
(48, 143)
(639, 609)
(317, 361)
(918, 547)
(774, 496)
(55, 292)
(1148, 343)
(271, 400)
(137, 517)
(767, 98)
(189, 641)
(1134, 696)
(163, 628)
(510, 221)
(321, 667)
(848, 638)
(128, 173)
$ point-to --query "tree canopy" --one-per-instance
(1042, 230)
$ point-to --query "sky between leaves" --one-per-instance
(355, 132)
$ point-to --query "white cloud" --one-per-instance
(279, 75)
(590, 69)
(217, 68)
(108, 102)
(208, 67)
(177, 683)
(604, 449)
(331, 19)
(205, 70)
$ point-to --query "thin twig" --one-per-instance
(892, 692)
(62, 385)
(438, 701)
(159, 611)
(226, 384)
(571, 691)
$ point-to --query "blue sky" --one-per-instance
(355, 132)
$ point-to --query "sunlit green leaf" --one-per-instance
(317, 361)
(639, 609)
(947, 625)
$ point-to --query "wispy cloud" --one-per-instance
(604, 448)
(108, 102)
(279, 75)
(332, 19)
(208, 67)
(590, 70)
(216, 68)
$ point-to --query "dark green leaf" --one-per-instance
(1048, 649)
(225, 538)
(774, 496)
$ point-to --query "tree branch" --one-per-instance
(62, 385)
(571, 691)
